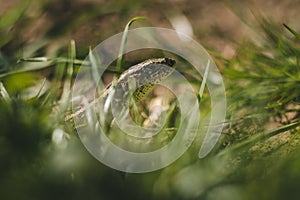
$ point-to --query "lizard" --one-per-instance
(142, 77)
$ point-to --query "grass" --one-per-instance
(270, 76)
(257, 155)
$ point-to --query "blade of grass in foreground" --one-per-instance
(123, 42)
(3, 93)
(66, 94)
(95, 65)
(51, 61)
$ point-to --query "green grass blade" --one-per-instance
(66, 94)
(9, 19)
(95, 65)
(297, 35)
(123, 42)
(204, 79)
(12, 15)
(4, 94)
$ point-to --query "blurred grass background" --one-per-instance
(41, 156)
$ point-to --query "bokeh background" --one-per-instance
(41, 156)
